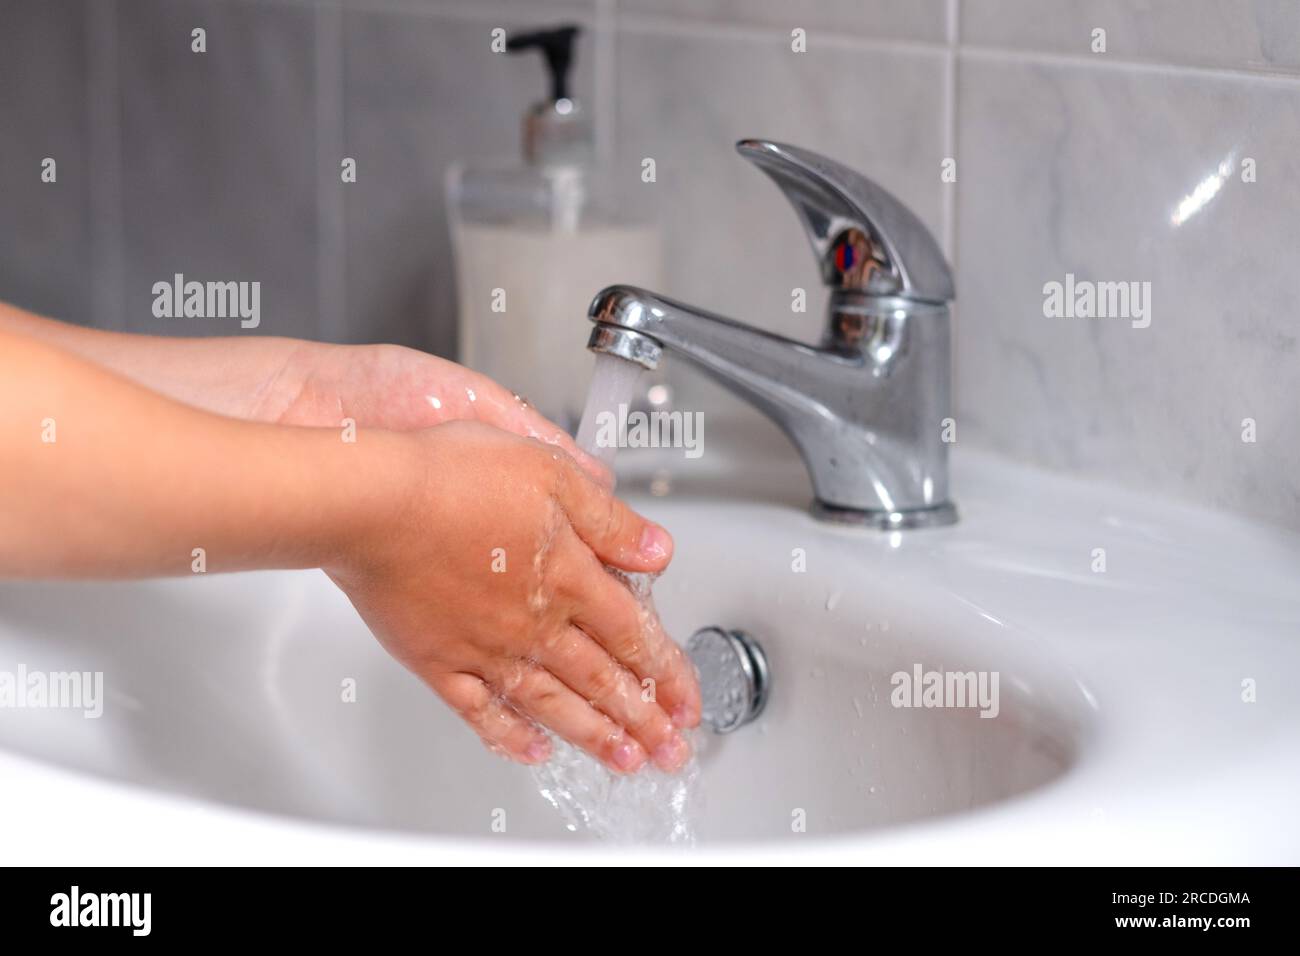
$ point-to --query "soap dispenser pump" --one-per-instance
(556, 129)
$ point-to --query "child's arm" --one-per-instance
(291, 381)
(100, 477)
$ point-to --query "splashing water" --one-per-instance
(649, 806)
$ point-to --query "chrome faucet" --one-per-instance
(869, 408)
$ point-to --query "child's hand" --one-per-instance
(293, 382)
(401, 389)
(490, 585)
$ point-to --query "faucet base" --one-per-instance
(934, 517)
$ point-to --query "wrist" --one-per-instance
(371, 485)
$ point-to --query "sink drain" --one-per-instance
(734, 677)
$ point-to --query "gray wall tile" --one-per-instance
(1073, 169)
(219, 158)
(45, 243)
(895, 19)
(1257, 34)
(421, 93)
(734, 241)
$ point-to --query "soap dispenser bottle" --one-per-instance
(535, 238)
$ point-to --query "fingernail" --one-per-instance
(684, 717)
(673, 753)
(538, 750)
(655, 542)
(627, 756)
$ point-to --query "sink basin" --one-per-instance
(230, 688)
(1120, 729)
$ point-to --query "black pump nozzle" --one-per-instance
(557, 46)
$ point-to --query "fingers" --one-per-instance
(500, 726)
(617, 534)
(498, 406)
(596, 470)
(584, 681)
(633, 636)
(535, 425)
(587, 669)
(541, 695)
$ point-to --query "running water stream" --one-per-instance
(649, 806)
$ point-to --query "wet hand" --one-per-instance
(391, 387)
(490, 585)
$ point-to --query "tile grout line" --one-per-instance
(331, 210)
(948, 198)
(656, 25)
(651, 23)
(1106, 62)
(104, 198)
(951, 191)
(697, 29)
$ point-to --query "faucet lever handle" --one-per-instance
(864, 239)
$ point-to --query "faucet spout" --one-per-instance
(838, 402)
(757, 365)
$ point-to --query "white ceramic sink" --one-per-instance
(1121, 733)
